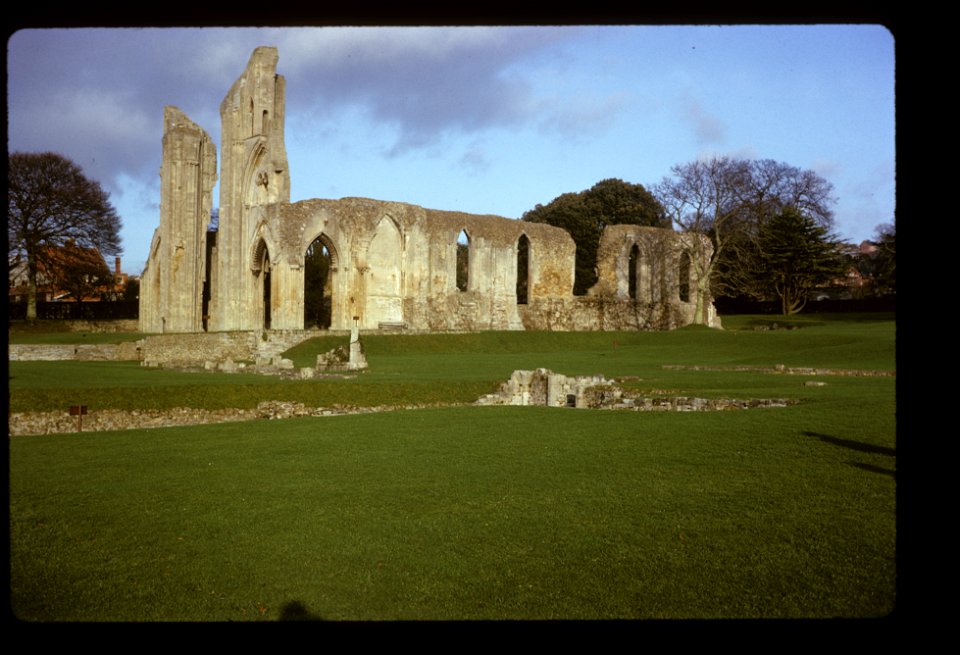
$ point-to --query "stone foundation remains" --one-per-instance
(540, 387)
(545, 388)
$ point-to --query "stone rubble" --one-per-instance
(40, 423)
(543, 387)
(785, 370)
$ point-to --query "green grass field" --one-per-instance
(472, 512)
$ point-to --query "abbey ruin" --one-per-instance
(391, 265)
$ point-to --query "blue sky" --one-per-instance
(487, 120)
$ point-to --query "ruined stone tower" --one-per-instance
(172, 285)
(254, 176)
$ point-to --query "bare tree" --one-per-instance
(772, 187)
(731, 200)
(51, 202)
(704, 198)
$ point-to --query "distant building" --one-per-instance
(857, 281)
(56, 267)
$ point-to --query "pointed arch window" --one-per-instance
(684, 274)
(463, 261)
(523, 269)
(319, 266)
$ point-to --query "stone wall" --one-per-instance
(120, 325)
(195, 349)
(127, 351)
(585, 313)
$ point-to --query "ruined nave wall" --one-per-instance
(395, 263)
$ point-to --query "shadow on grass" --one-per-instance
(854, 445)
(874, 469)
(297, 611)
(779, 324)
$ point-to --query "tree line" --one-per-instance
(769, 225)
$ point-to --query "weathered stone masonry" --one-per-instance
(391, 264)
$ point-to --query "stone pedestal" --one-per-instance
(358, 360)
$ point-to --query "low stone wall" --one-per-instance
(36, 423)
(118, 325)
(22, 424)
(601, 312)
(40, 423)
(196, 348)
(173, 350)
(786, 370)
(127, 351)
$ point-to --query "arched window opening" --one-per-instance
(263, 256)
(633, 272)
(523, 269)
(684, 277)
(266, 297)
(463, 261)
(317, 285)
(211, 248)
(265, 123)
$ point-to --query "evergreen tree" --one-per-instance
(885, 260)
(795, 254)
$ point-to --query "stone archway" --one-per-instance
(384, 276)
(261, 269)
(633, 273)
(319, 274)
(523, 270)
(683, 273)
(462, 273)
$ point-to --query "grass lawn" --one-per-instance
(57, 332)
(476, 512)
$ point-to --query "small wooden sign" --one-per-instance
(79, 411)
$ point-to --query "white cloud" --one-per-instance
(707, 128)
(475, 159)
(332, 46)
(581, 115)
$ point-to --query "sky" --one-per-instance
(485, 120)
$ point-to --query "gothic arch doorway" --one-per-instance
(319, 273)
